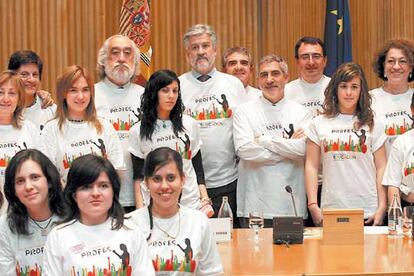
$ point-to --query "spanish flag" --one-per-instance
(134, 22)
(338, 42)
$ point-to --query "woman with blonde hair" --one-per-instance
(350, 143)
(15, 133)
(76, 129)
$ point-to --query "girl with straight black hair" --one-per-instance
(94, 235)
(34, 193)
(164, 125)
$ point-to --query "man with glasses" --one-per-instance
(308, 89)
(39, 106)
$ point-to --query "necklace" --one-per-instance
(44, 231)
(168, 234)
(76, 121)
(164, 125)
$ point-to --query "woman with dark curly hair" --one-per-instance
(34, 193)
(350, 142)
(164, 125)
(391, 102)
(94, 236)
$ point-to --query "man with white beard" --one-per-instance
(118, 100)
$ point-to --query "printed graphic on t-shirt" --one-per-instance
(276, 129)
(124, 117)
(8, 150)
(215, 108)
(28, 271)
(398, 122)
(113, 266)
(177, 262)
(77, 149)
(186, 152)
(356, 141)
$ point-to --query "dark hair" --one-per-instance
(155, 160)
(84, 171)
(160, 157)
(23, 57)
(239, 50)
(1, 199)
(406, 46)
(17, 215)
(149, 104)
(309, 40)
(345, 73)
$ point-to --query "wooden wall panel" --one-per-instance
(66, 32)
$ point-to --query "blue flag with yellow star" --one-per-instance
(337, 39)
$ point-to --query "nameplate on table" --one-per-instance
(221, 229)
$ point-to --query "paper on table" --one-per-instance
(375, 230)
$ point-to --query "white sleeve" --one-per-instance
(52, 258)
(210, 262)
(134, 142)
(49, 143)
(196, 145)
(244, 143)
(311, 131)
(288, 148)
(140, 261)
(7, 257)
(394, 170)
(115, 153)
(294, 149)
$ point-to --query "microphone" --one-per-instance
(289, 190)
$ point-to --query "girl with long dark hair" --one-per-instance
(164, 125)
(94, 237)
(179, 238)
(34, 193)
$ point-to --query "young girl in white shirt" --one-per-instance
(94, 236)
(34, 192)
(179, 239)
(350, 142)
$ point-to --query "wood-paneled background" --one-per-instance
(65, 32)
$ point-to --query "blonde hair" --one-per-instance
(64, 82)
(17, 83)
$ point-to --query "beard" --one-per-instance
(119, 72)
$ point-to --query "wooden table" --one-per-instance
(379, 255)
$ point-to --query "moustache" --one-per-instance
(200, 58)
(121, 65)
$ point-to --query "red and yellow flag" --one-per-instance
(134, 22)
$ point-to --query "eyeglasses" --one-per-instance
(307, 57)
(26, 75)
(401, 62)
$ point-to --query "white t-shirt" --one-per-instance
(394, 111)
(23, 253)
(252, 93)
(310, 95)
(77, 139)
(121, 106)
(269, 160)
(193, 251)
(37, 115)
(400, 167)
(349, 173)
(13, 140)
(188, 146)
(212, 104)
(77, 249)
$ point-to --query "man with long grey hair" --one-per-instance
(118, 100)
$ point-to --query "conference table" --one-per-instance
(379, 255)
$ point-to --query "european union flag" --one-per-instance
(338, 41)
